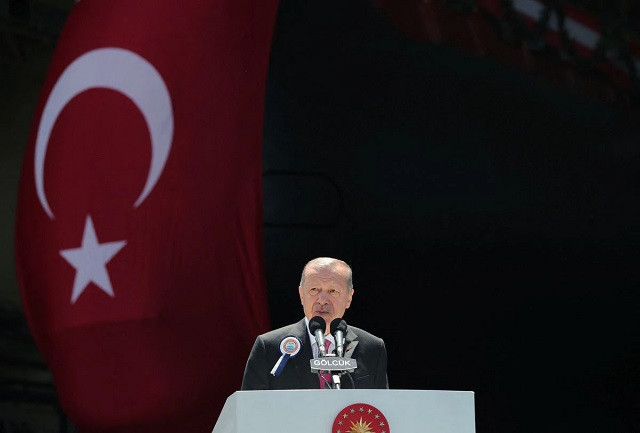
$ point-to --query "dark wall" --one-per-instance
(491, 219)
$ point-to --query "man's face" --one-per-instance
(325, 293)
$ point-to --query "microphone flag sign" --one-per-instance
(139, 220)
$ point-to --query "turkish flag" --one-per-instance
(139, 225)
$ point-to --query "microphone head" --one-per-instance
(338, 324)
(316, 323)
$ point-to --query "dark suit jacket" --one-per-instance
(367, 349)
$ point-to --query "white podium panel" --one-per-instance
(314, 411)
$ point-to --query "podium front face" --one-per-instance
(348, 410)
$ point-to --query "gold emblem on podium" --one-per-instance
(360, 418)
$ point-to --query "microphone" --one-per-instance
(338, 330)
(317, 325)
(336, 365)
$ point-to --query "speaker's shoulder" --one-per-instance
(297, 329)
(361, 334)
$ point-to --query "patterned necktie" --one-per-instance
(325, 377)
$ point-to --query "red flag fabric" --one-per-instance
(139, 225)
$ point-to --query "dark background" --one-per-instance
(490, 217)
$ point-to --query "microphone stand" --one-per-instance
(340, 353)
(335, 376)
(326, 383)
(336, 381)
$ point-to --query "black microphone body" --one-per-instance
(339, 330)
(317, 325)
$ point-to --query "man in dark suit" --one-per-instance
(326, 290)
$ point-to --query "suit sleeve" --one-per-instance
(382, 380)
(256, 371)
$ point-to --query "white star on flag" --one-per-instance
(90, 261)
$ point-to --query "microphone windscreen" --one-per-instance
(338, 324)
(316, 323)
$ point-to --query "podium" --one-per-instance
(341, 411)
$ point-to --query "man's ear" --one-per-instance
(351, 292)
(300, 294)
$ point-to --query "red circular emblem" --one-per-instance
(360, 418)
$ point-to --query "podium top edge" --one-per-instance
(363, 390)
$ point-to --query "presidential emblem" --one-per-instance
(360, 418)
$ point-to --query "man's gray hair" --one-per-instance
(327, 263)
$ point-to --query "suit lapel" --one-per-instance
(350, 343)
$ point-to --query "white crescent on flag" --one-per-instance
(123, 71)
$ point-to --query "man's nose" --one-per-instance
(323, 298)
